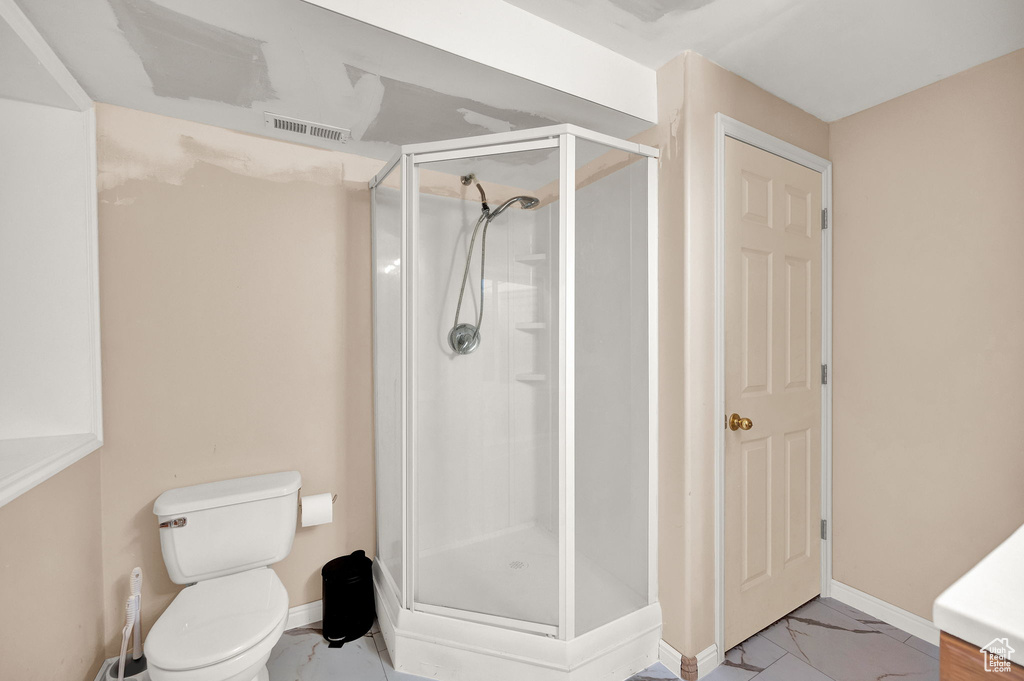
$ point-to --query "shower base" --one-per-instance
(515, 573)
(455, 649)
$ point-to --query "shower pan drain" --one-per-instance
(518, 565)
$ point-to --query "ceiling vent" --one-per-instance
(296, 129)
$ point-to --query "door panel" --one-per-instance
(798, 323)
(757, 313)
(772, 355)
(798, 211)
(798, 496)
(757, 509)
(757, 199)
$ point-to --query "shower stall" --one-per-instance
(515, 402)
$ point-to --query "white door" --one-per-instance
(773, 386)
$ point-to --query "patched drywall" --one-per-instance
(174, 48)
(409, 113)
(226, 63)
(137, 146)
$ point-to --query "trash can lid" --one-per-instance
(343, 565)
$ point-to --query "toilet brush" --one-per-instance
(125, 667)
(136, 587)
(129, 626)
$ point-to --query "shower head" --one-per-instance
(464, 338)
(525, 202)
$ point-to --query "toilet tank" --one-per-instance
(219, 528)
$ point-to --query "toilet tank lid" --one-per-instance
(226, 493)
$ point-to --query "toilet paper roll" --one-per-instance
(317, 509)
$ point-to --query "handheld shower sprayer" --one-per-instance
(525, 202)
(464, 338)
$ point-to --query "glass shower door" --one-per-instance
(388, 378)
(484, 433)
(613, 391)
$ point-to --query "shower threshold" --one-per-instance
(445, 645)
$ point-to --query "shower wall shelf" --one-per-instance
(517, 484)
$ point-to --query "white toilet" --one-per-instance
(219, 538)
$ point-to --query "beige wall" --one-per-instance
(929, 333)
(51, 578)
(235, 291)
(691, 90)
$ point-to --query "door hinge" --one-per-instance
(824, 218)
(824, 529)
(824, 374)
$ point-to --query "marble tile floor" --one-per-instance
(825, 640)
(303, 655)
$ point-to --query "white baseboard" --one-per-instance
(304, 615)
(670, 657)
(887, 612)
(707, 659)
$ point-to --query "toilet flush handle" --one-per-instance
(177, 522)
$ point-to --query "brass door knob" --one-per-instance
(736, 422)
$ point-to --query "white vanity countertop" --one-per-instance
(988, 602)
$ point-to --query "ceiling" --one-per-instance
(831, 58)
(23, 76)
(225, 63)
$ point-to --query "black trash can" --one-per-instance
(349, 609)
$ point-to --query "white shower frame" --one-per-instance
(457, 645)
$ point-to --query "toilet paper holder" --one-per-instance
(334, 498)
(316, 509)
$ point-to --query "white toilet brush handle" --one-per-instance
(137, 628)
(136, 589)
(129, 625)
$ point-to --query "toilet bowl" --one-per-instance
(220, 538)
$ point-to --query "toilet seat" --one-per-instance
(219, 628)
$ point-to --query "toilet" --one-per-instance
(220, 538)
